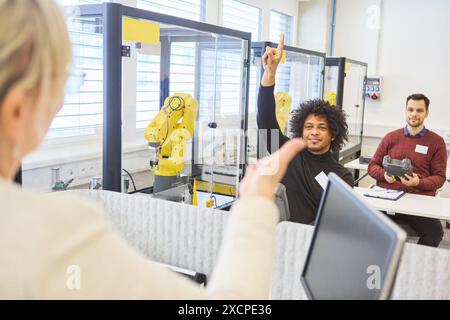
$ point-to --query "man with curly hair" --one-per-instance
(324, 129)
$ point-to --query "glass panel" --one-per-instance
(187, 9)
(184, 108)
(353, 101)
(352, 97)
(300, 76)
(255, 77)
(298, 79)
(71, 155)
(331, 82)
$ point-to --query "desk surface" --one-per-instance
(412, 204)
(354, 164)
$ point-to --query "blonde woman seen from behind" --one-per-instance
(42, 237)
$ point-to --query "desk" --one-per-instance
(412, 204)
(354, 164)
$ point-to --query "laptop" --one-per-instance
(354, 251)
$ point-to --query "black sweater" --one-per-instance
(303, 190)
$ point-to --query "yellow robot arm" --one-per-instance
(331, 97)
(168, 132)
(283, 103)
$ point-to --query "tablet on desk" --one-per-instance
(355, 250)
(382, 193)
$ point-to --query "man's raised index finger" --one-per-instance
(281, 43)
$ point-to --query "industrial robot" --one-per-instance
(283, 103)
(167, 136)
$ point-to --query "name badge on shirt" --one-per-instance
(421, 149)
(322, 179)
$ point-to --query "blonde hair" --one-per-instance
(35, 48)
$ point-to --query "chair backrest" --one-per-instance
(282, 203)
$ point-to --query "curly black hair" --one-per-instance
(335, 115)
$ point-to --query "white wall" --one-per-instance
(410, 53)
(355, 34)
(409, 50)
(314, 25)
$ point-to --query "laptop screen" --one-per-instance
(355, 250)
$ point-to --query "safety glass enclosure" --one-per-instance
(175, 105)
(344, 85)
(299, 78)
